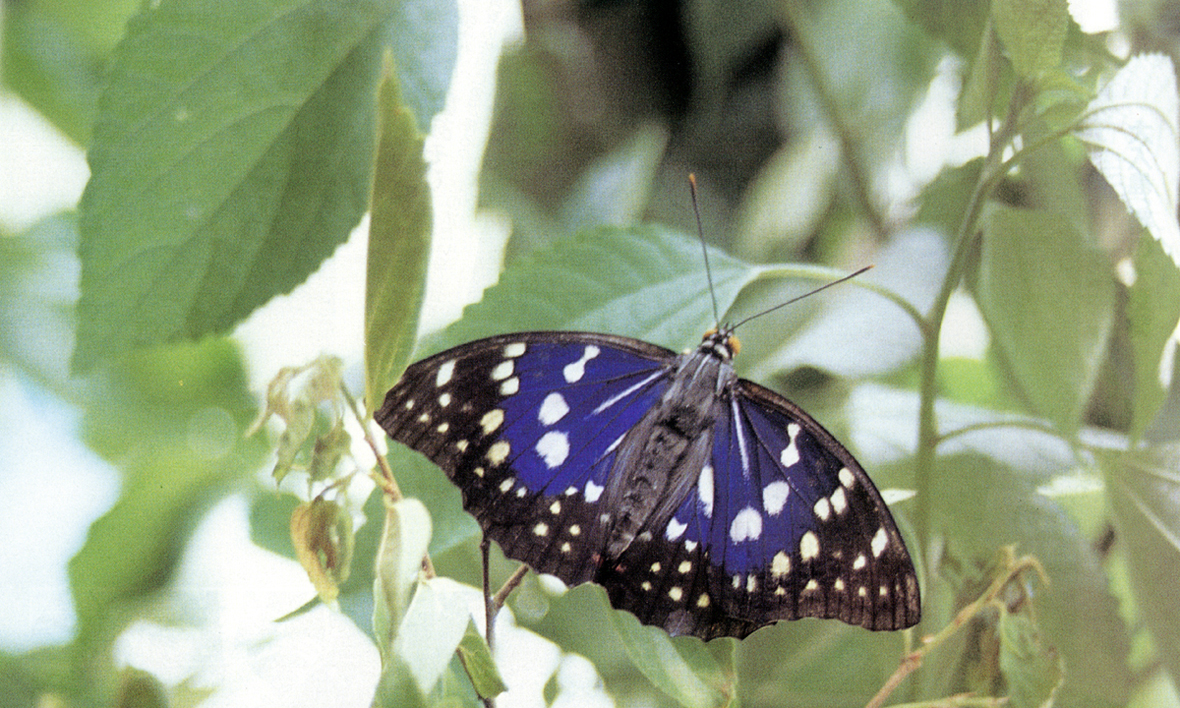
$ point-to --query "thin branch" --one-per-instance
(1015, 567)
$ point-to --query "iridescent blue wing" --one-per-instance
(526, 425)
(782, 523)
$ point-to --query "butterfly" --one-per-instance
(702, 502)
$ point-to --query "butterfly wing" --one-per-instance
(782, 523)
(526, 425)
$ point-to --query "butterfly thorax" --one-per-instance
(660, 459)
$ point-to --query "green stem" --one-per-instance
(967, 239)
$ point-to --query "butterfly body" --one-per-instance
(702, 502)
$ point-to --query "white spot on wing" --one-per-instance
(491, 420)
(809, 546)
(774, 497)
(705, 490)
(444, 400)
(574, 371)
(839, 501)
(445, 372)
(846, 477)
(552, 409)
(510, 387)
(498, 452)
(780, 565)
(790, 453)
(514, 350)
(860, 562)
(823, 509)
(675, 530)
(879, 542)
(593, 491)
(553, 447)
(503, 370)
(746, 526)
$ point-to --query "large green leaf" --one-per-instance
(172, 419)
(1033, 32)
(1048, 298)
(1153, 308)
(51, 57)
(232, 154)
(959, 23)
(1132, 128)
(1144, 491)
(644, 281)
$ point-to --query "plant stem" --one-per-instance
(966, 241)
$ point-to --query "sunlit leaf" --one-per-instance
(433, 626)
(1033, 32)
(1048, 298)
(1132, 131)
(231, 155)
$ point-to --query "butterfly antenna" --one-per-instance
(696, 210)
(800, 297)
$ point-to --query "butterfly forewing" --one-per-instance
(527, 426)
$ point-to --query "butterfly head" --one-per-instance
(721, 342)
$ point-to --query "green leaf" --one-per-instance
(979, 506)
(642, 281)
(420, 478)
(48, 63)
(399, 245)
(959, 23)
(1144, 491)
(399, 561)
(1153, 309)
(1033, 32)
(173, 420)
(433, 626)
(479, 665)
(424, 39)
(397, 688)
(232, 154)
(1132, 129)
(1048, 298)
(581, 620)
(1031, 668)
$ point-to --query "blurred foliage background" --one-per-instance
(1005, 373)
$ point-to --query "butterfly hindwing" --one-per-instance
(526, 425)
